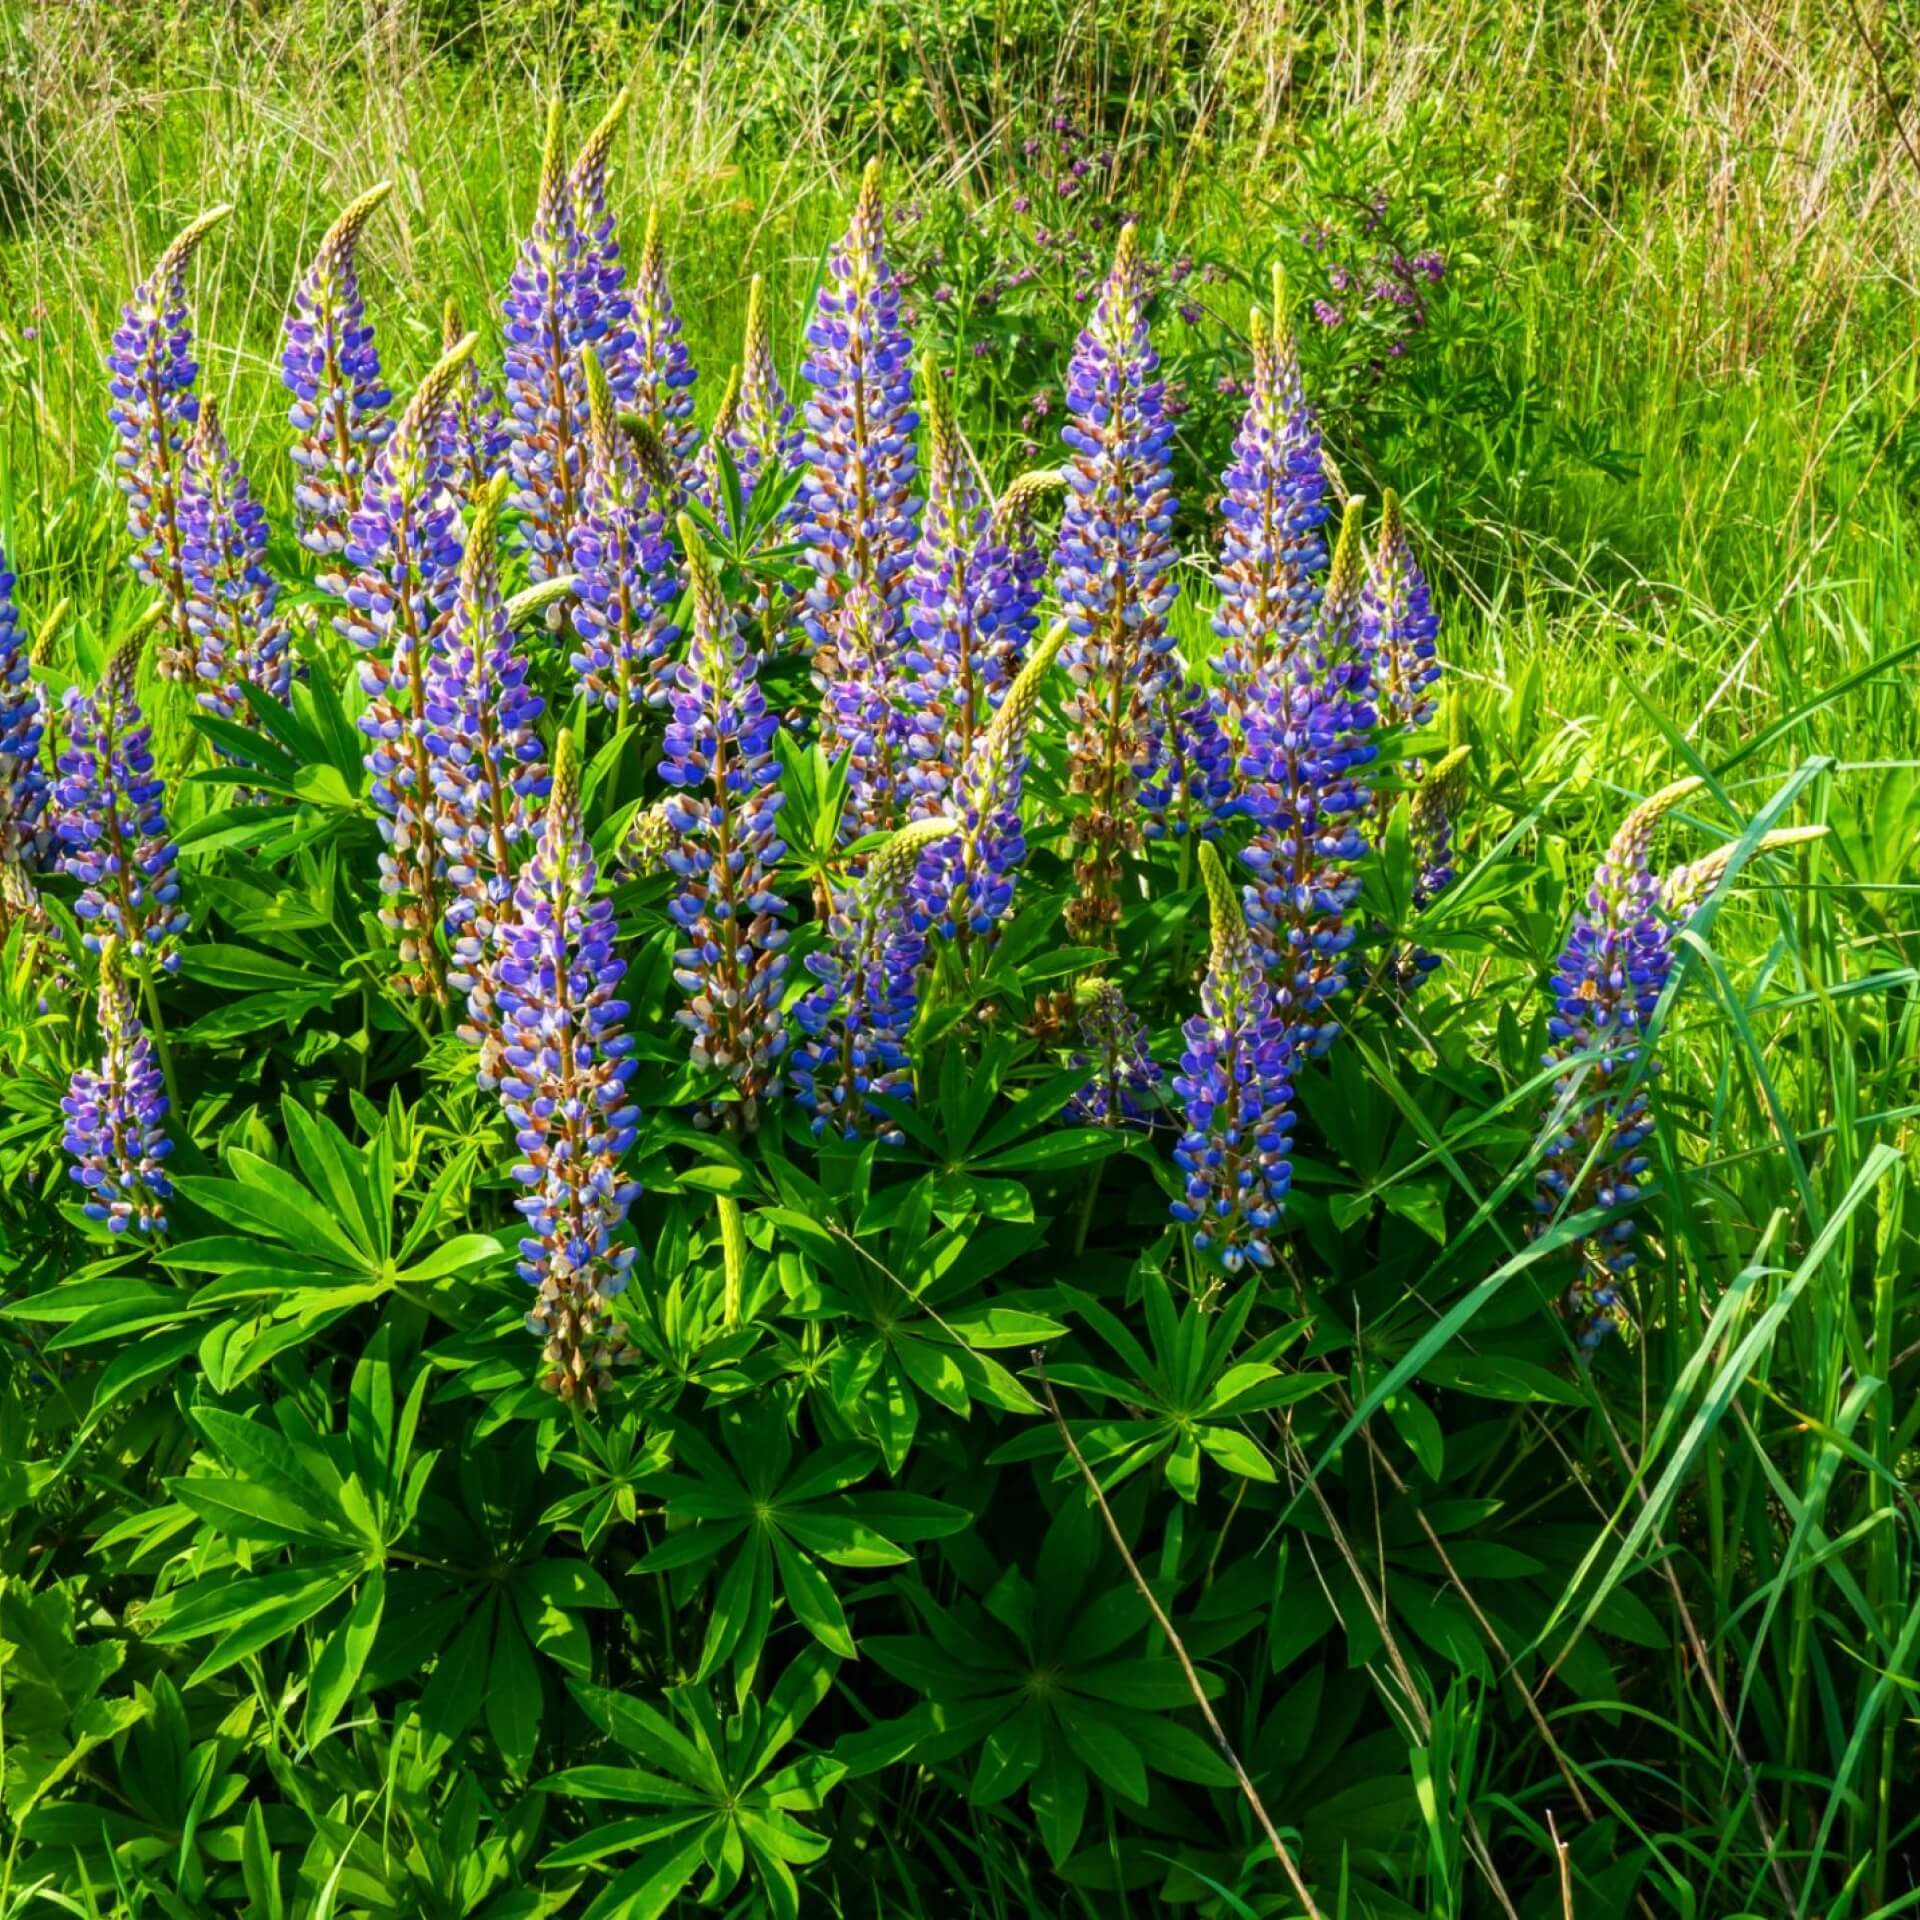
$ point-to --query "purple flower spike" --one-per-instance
(1113, 568)
(603, 307)
(705, 482)
(1273, 507)
(152, 371)
(856, 1023)
(1236, 1084)
(331, 366)
(1431, 816)
(856, 509)
(23, 719)
(864, 716)
(656, 371)
(112, 822)
(117, 1117)
(470, 439)
(1188, 785)
(232, 600)
(563, 1084)
(1124, 1079)
(551, 311)
(625, 580)
(488, 767)
(722, 820)
(762, 437)
(1304, 783)
(964, 886)
(1605, 986)
(405, 551)
(1398, 625)
(1016, 528)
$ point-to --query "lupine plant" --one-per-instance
(116, 1116)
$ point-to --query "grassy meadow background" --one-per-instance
(1659, 437)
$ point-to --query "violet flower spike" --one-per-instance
(232, 599)
(1236, 1085)
(153, 409)
(117, 1117)
(112, 824)
(1123, 1078)
(657, 368)
(1016, 528)
(705, 484)
(1398, 625)
(1431, 816)
(470, 439)
(1187, 787)
(603, 307)
(723, 849)
(865, 717)
(856, 510)
(761, 435)
(856, 1023)
(331, 366)
(1113, 569)
(563, 1085)
(23, 718)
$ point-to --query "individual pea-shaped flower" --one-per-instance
(470, 439)
(963, 887)
(1304, 783)
(761, 435)
(657, 373)
(1123, 1078)
(112, 823)
(331, 366)
(1272, 508)
(232, 599)
(625, 582)
(488, 768)
(1235, 1085)
(563, 1085)
(856, 1023)
(1605, 986)
(1398, 625)
(23, 717)
(117, 1117)
(723, 847)
(856, 509)
(1187, 786)
(550, 312)
(152, 372)
(1113, 570)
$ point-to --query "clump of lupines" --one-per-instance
(112, 823)
(1123, 1078)
(761, 436)
(331, 366)
(964, 885)
(404, 547)
(963, 643)
(563, 1082)
(856, 509)
(23, 715)
(488, 767)
(117, 1117)
(1304, 784)
(1113, 568)
(232, 600)
(470, 438)
(657, 371)
(723, 846)
(856, 1022)
(1398, 625)
(550, 313)
(624, 579)
(1236, 1086)
(1273, 506)
(154, 407)
(1187, 785)
(1605, 986)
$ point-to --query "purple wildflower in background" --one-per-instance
(1605, 986)
(963, 887)
(470, 438)
(117, 1117)
(722, 820)
(23, 719)
(488, 769)
(563, 1083)
(1123, 1078)
(1398, 625)
(544, 329)
(1186, 785)
(856, 509)
(404, 549)
(1236, 1086)
(1304, 784)
(856, 1022)
(112, 822)
(152, 372)
(1273, 507)
(232, 600)
(656, 369)
(762, 437)
(625, 579)
(331, 366)
(1113, 569)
